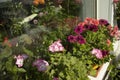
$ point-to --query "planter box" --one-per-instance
(101, 73)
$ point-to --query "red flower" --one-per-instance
(6, 42)
(91, 21)
(116, 1)
(79, 29)
(103, 22)
(80, 39)
(108, 42)
(72, 38)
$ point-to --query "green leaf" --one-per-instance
(68, 78)
(21, 70)
(28, 52)
(93, 72)
(61, 74)
(9, 64)
(6, 53)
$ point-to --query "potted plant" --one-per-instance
(61, 53)
(55, 50)
(92, 41)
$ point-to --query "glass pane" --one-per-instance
(13, 11)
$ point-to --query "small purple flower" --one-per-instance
(41, 65)
(78, 29)
(35, 21)
(41, 14)
(55, 78)
(71, 38)
(24, 56)
(80, 39)
(103, 22)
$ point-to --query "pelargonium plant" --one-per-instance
(62, 53)
(92, 41)
(46, 58)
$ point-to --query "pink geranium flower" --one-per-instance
(103, 22)
(115, 32)
(56, 46)
(91, 21)
(72, 38)
(97, 53)
(20, 59)
(80, 39)
(79, 29)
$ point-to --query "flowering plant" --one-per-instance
(60, 53)
(92, 40)
(54, 50)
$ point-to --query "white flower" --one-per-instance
(20, 59)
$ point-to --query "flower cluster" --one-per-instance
(99, 53)
(56, 46)
(114, 32)
(74, 51)
(41, 65)
(89, 24)
(95, 33)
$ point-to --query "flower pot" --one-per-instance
(100, 73)
(118, 23)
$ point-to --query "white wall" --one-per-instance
(105, 10)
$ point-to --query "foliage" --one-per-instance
(51, 50)
(117, 8)
(71, 7)
(61, 64)
(11, 14)
(91, 41)
(114, 70)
